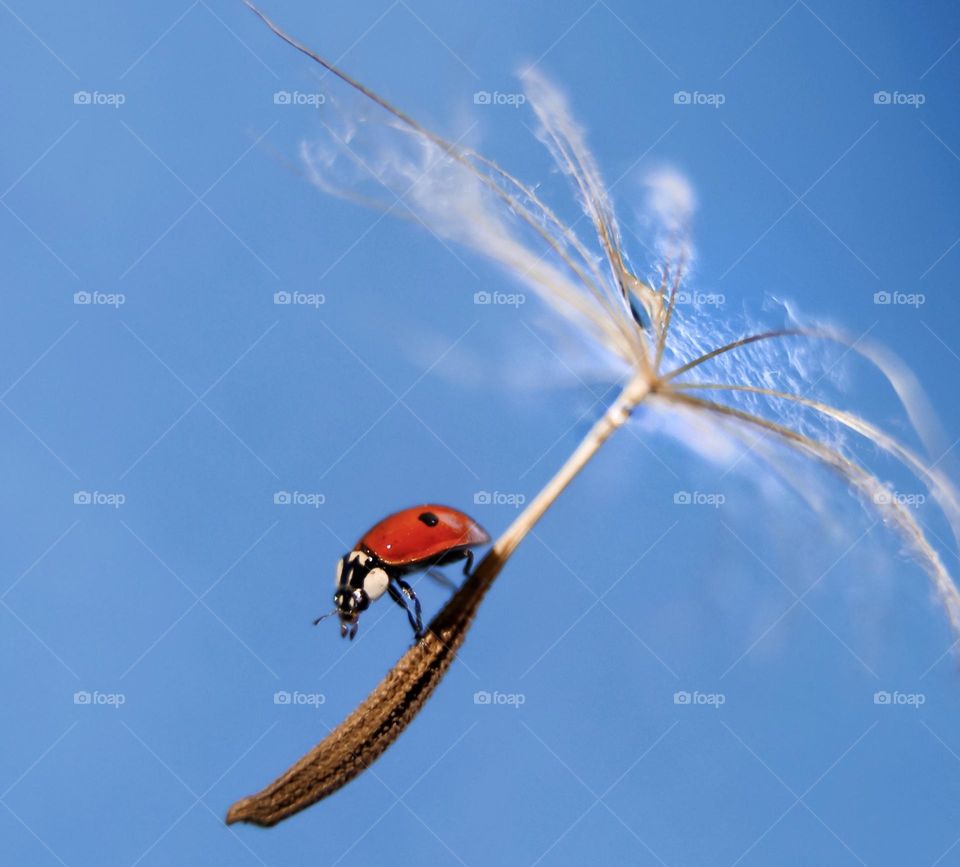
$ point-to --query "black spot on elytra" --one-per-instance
(429, 519)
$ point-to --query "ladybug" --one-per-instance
(411, 540)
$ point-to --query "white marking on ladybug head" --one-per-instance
(350, 603)
(375, 583)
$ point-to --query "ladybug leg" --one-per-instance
(401, 596)
(469, 564)
(415, 622)
(408, 592)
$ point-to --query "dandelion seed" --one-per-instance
(468, 198)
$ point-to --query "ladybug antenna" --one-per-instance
(324, 617)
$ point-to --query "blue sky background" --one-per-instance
(197, 398)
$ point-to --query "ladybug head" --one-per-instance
(348, 605)
(360, 579)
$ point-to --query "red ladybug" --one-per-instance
(408, 541)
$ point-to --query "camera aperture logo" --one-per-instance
(299, 498)
(900, 699)
(299, 699)
(96, 97)
(700, 699)
(100, 299)
(506, 699)
(899, 299)
(698, 498)
(485, 97)
(299, 299)
(686, 97)
(499, 299)
(499, 498)
(99, 699)
(98, 498)
(297, 97)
